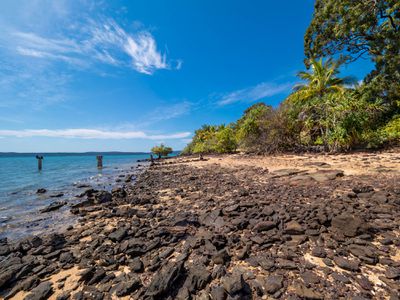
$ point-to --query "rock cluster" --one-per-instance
(183, 232)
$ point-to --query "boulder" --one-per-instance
(347, 224)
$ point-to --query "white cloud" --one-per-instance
(144, 54)
(94, 42)
(83, 133)
(254, 93)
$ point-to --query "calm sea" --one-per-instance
(61, 174)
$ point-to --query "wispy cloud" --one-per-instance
(102, 41)
(31, 85)
(171, 111)
(83, 133)
(254, 93)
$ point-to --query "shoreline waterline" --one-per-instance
(63, 178)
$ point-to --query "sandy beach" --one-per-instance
(227, 227)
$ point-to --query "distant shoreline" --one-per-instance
(90, 153)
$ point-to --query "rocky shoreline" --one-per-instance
(190, 229)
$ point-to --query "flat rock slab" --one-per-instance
(285, 172)
(327, 175)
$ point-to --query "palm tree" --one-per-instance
(320, 80)
(314, 96)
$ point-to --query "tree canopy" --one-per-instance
(161, 150)
(360, 28)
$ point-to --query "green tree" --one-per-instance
(320, 80)
(360, 28)
(161, 150)
(212, 139)
(312, 101)
(249, 127)
(225, 140)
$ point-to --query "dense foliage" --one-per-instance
(213, 139)
(357, 28)
(326, 112)
(161, 150)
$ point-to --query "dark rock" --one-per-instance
(364, 253)
(53, 206)
(197, 279)
(264, 226)
(164, 280)
(41, 292)
(327, 261)
(87, 274)
(41, 191)
(273, 284)
(209, 219)
(64, 296)
(233, 284)
(364, 283)
(392, 273)
(306, 293)
(66, 258)
(118, 235)
(6, 276)
(23, 285)
(218, 293)
(349, 265)
(221, 257)
(347, 224)
(4, 250)
(293, 228)
(319, 252)
(363, 189)
(103, 197)
(126, 288)
(310, 278)
(218, 272)
(97, 276)
(341, 277)
(118, 193)
(83, 185)
(286, 264)
(57, 195)
(136, 265)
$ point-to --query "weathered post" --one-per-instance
(151, 158)
(39, 159)
(99, 161)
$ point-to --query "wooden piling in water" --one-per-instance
(39, 159)
(99, 161)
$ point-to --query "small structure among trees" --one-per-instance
(161, 150)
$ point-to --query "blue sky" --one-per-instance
(88, 75)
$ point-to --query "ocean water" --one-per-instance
(61, 174)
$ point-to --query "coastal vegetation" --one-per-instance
(327, 112)
(161, 150)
